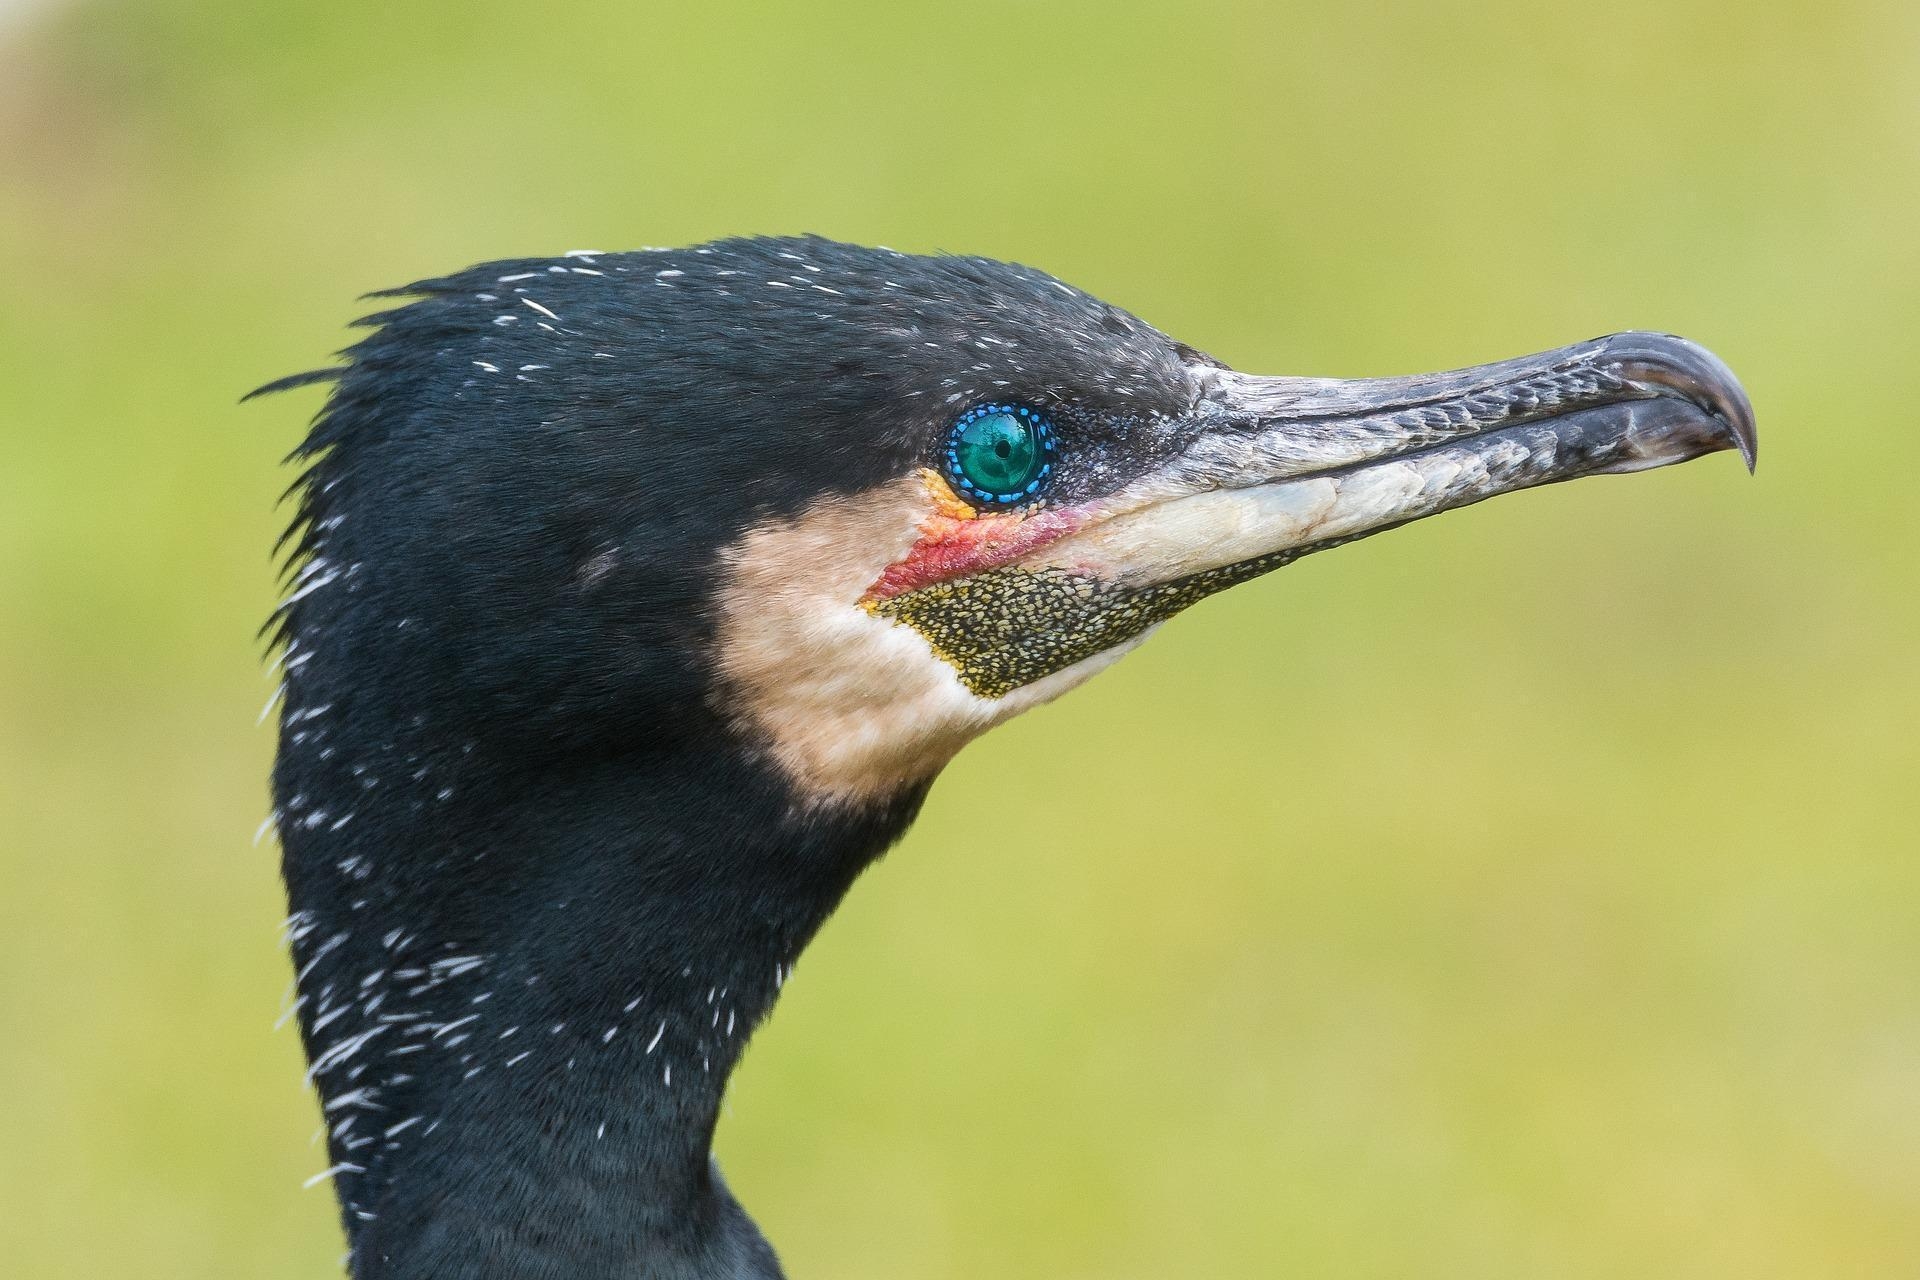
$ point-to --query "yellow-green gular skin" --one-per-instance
(1005, 628)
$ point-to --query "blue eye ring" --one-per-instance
(1000, 455)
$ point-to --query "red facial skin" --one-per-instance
(955, 540)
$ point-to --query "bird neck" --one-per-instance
(522, 991)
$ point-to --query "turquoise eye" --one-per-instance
(1000, 453)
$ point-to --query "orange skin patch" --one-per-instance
(956, 540)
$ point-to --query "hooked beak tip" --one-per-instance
(1675, 366)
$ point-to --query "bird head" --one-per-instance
(636, 600)
(858, 506)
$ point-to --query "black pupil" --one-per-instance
(1002, 448)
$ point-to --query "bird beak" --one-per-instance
(1266, 470)
(1278, 467)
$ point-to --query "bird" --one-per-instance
(634, 602)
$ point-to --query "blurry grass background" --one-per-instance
(1531, 893)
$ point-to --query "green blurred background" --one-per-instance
(1532, 893)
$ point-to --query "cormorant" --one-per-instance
(636, 601)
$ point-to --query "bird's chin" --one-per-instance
(857, 696)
